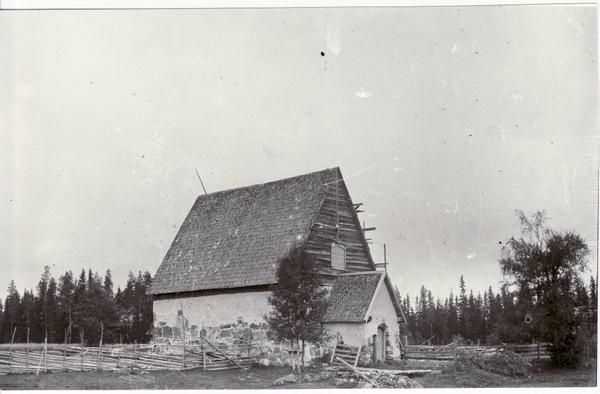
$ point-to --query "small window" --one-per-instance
(338, 257)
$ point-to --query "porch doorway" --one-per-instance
(379, 344)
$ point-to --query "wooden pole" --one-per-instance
(203, 345)
(333, 352)
(223, 354)
(81, 354)
(384, 258)
(357, 355)
(201, 183)
(65, 352)
(182, 334)
(100, 346)
(46, 353)
(27, 352)
(40, 363)
(455, 354)
(134, 352)
(119, 353)
(11, 345)
(359, 373)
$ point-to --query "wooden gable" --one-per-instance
(337, 207)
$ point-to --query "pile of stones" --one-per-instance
(306, 377)
(503, 362)
(383, 379)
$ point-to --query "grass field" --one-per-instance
(262, 378)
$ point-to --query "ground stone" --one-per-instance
(341, 381)
(324, 375)
(264, 362)
(309, 378)
(291, 378)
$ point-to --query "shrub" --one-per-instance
(566, 351)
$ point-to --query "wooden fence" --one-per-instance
(348, 353)
(37, 358)
(536, 351)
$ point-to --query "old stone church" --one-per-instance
(219, 271)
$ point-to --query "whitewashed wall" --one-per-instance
(360, 334)
(383, 312)
(352, 333)
(214, 310)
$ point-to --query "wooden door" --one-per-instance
(380, 352)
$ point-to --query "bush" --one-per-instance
(566, 351)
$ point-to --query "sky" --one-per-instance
(443, 120)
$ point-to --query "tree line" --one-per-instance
(543, 298)
(78, 309)
(488, 317)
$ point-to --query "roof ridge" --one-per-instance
(235, 237)
(268, 182)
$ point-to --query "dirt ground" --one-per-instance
(262, 378)
(541, 375)
(480, 378)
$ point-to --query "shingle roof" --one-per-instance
(234, 238)
(351, 296)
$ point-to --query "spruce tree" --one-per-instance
(299, 302)
(79, 311)
(109, 314)
(66, 290)
(27, 317)
(12, 307)
(462, 308)
(52, 311)
(452, 319)
(41, 306)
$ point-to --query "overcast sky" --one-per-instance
(442, 120)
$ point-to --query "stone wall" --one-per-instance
(235, 335)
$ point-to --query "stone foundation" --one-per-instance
(235, 335)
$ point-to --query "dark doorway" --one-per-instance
(379, 344)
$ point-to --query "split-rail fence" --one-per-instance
(40, 358)
(535, 351)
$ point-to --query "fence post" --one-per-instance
(81, 349)
(65, 352)
(203, 345)
(100, 346)
(182, 334)
(333, 351)
(135, 353)
(11, 345)
(46, 353)
(538, 349)
(37, 372)
(27, 352)
(455, 354)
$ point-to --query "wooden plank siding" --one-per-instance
(350, 235)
